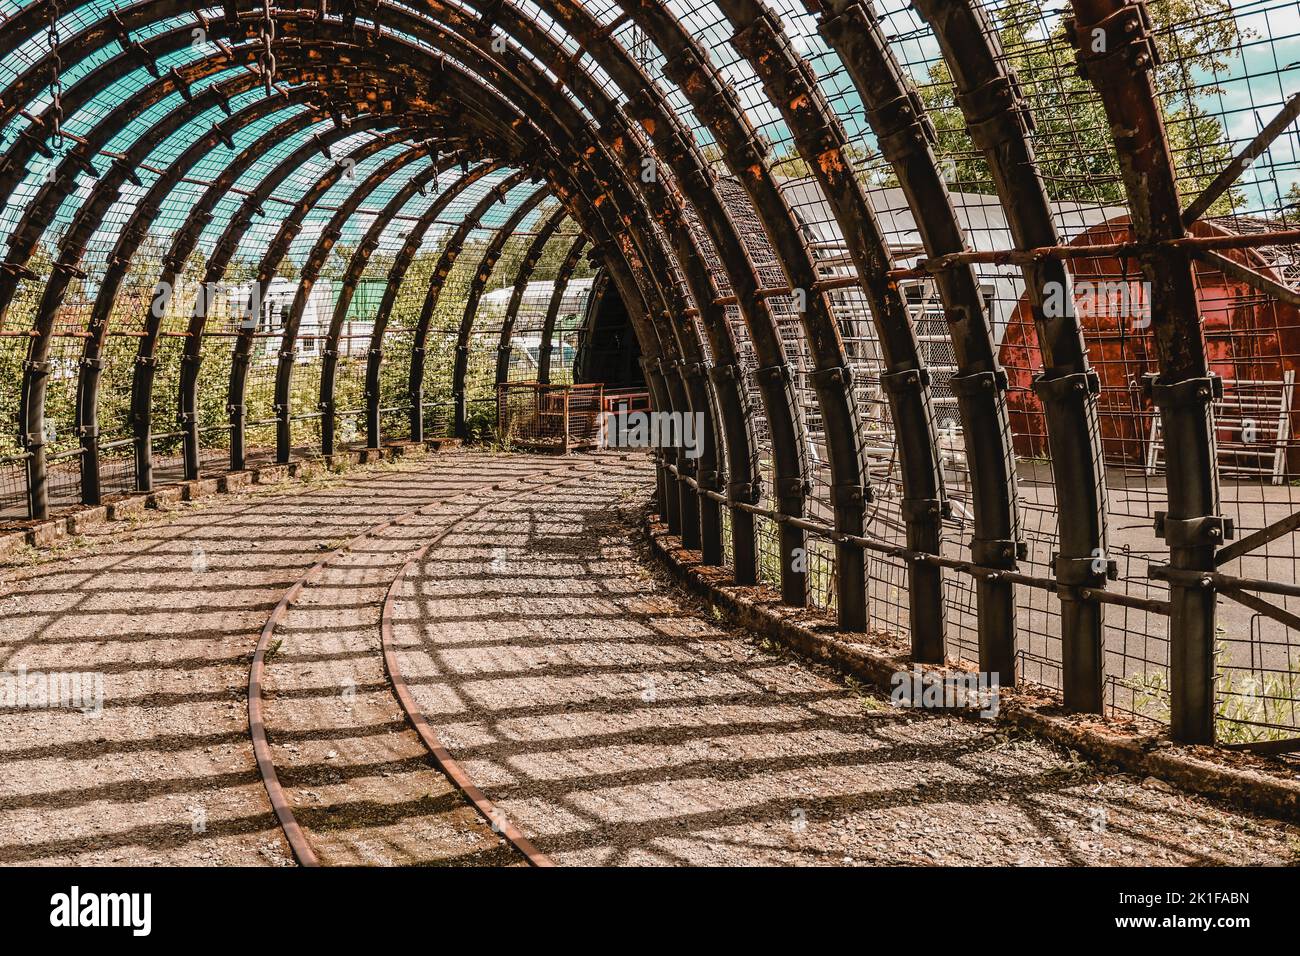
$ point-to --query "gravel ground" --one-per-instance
(615, 719)
(356, 773)
(619, 722)
(168, 610)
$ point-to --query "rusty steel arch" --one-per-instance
(658, 148)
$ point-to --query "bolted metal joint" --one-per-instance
(840, 378)
(720, 374)
(924, 510)
(851, 496)
(908, 381)
(774, 374)
(903, 126)
(709, 479)
(1205, 531)
(1187, 393)
(1083, 572)
(1065, 388)
(977, 383)
(996, 112)
(998, 553)
(793, 488)
(1122, 39)
(744, 492)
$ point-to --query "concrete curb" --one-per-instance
(1250, 781)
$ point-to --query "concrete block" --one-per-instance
(79, 522)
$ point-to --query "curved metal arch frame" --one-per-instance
(441, 271)
(677, 151)
(190, 457)
(39, 213)
(310, 272)
(132, 234)
(987, 94)
(71, 248)
(629, 227)
(894, 111)
(562, 277)
(356, 268)
(645, 328)
(33, 223)
(526, 268)
(820, 139)
(215, 271)
(1184, 390)
(689, 66)
(183, 243)
(396, 275)
(225, 248)
(482, 274)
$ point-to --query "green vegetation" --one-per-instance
(131, 308)
(1073, 139)
(1244, 702)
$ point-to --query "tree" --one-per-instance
(1073, 143)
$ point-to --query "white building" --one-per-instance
(526, 340)
(313, 329)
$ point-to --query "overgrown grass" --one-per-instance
(1244, 704)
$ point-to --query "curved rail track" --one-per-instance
(296, 834)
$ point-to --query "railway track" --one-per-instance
(335, 837)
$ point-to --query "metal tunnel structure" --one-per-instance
(264, 231)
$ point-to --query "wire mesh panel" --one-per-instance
(534, 416)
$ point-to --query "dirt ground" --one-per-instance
(612, 717)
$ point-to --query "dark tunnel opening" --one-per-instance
(608, 351)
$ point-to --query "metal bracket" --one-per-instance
(723, 373)
(793, 487)
(1187, 393)
(924, 510)
(1126, 32)
(976, 383)
(1065, 387)
(996, 112)
(912, 380)
(997, 553)
(1076, 572)
(1205, 531)
(851, 496)
(744, 492)
(709, 480)
(774, 374)
(841, 376)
